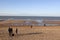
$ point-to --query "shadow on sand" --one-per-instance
(29, 34)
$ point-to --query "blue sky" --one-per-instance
(29, 7)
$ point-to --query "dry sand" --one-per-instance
(35, 33)
(27, 33)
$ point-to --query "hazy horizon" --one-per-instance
(30, 8)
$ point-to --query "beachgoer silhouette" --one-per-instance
(44, 24)
(31, 26)
(16, 30)
(10, 30)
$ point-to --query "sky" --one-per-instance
(29, 7)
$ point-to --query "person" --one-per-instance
(10, 30)
(44, 24)
(16, 30)
(31, 26)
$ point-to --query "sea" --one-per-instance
(30, 17)
(36, 18)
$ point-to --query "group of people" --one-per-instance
(10, 30)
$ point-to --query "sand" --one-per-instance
(28, 33)
(35, 33)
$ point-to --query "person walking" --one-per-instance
(16, 30)
(31, 26)
(10, 30)
(44, 24)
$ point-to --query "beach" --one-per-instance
(28, 33)
(35, 33)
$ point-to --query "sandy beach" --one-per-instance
(34, 33)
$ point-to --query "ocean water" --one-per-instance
(35, 18)
(30, 17)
